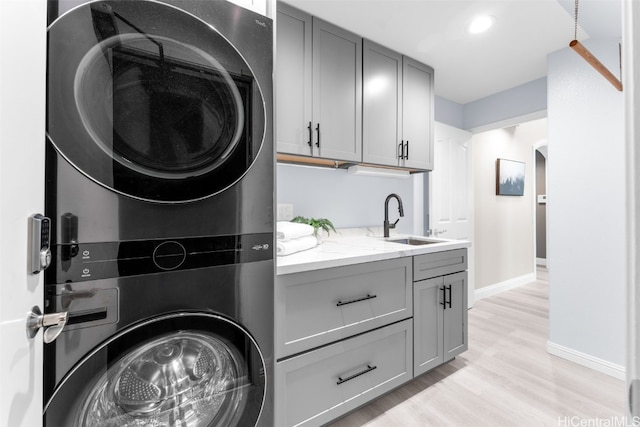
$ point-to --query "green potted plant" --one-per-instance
(317, 224)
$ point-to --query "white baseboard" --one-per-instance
(541, 261)
(500, 287)
(587, 360)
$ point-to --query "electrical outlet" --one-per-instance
(285, 211)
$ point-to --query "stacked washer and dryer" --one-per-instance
(159, 187)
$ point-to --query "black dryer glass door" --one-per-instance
(150, 101)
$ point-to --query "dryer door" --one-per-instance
(184, 369)
(150, 101)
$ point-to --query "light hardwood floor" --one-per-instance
(506, 378)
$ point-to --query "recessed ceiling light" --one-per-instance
(480, 24)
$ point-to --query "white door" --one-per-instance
(22, 132)
(450, 190)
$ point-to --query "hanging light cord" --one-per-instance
(575, 31)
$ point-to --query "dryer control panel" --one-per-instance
(92, 261)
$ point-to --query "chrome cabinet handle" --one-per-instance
(369, 368)
(52, 323)
(368, 297)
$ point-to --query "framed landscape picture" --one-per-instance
(509, 178)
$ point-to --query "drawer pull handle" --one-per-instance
(444, 298)
(341, 303)
(344, 380)
(449, 289)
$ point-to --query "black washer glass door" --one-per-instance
(187, 370)
(150, 101)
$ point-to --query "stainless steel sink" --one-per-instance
(414, 242)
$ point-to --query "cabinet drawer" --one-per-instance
(323, 306)
(439, 263)
(316, 387)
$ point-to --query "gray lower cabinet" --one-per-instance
(316, 387)
(440, 309)
(440, 318)
(319, 307)
(346, 335)
(439, 263)
(318, 88)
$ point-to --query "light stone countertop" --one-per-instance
(359, 245)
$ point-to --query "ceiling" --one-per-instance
(469, 67)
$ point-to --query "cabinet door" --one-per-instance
(337, 92)
(293, 81)
(318, 386)
(428, 317)
(455, 315)
(381, 104)
(314, 308)
(417, 118)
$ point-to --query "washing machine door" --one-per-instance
(151, 101)
(183, 369)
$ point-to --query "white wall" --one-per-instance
(347, 200)
(586, 206)
(507, 108)
(22, 108)
(504, 226)
(449, 112)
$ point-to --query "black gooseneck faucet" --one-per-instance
(387, 225)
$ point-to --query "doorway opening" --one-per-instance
(540, 203)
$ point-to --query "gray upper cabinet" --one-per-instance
(318, 88)
(341, 98)
(337, 92)
(293, 81)
(397, 109)
(381, 105)
(417, 118)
